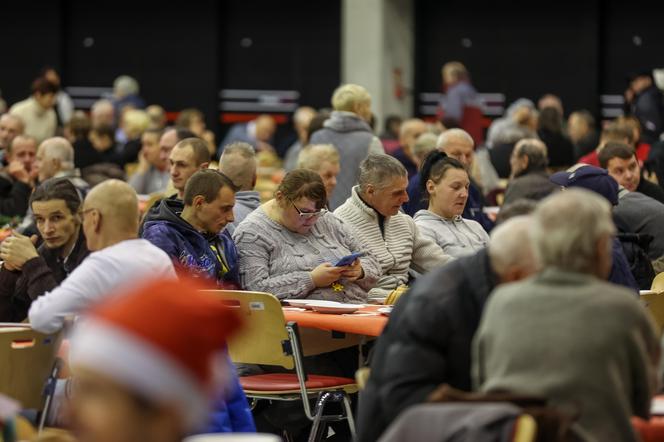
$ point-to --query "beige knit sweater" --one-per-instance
(401, 248)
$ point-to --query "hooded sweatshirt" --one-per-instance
(246, 201)
(189, 249)
(457, 237)
(354, 140)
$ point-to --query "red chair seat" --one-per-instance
(288, 382)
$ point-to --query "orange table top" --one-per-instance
(366, 321)
(651, 430)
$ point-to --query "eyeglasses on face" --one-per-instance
(307, 215)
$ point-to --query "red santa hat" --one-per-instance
(162, 341)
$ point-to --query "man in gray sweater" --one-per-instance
(348, 130)
(566, 334)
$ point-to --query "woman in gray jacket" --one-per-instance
(445, 181)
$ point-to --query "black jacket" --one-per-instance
(14, 197)
(426, 342)
(38, 276)
(651, 189)
(648, 107)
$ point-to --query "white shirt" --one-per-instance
(100, 274)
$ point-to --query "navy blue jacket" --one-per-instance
(189, 249)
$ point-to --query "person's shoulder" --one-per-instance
(255, 224)
(474, 225)
(19, 107)
(448, 282)
(404, 219)
(159, 227)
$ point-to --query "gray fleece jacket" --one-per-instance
(457, 237)
(354, 140)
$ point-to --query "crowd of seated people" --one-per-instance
(105, 202)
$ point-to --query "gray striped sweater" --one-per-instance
(402, 247)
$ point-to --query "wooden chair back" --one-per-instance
(263, 339)
(27, 360)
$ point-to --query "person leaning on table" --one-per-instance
(288, 246)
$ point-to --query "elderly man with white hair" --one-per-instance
(372, 212)
(427, 341)
(126, 93)
(324, 160)
(566, 334)
(55, 159)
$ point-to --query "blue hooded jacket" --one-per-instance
(231, 412)
(188, 248)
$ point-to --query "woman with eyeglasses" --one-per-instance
(445, 181)
(289, 245)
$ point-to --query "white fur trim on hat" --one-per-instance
(140, 366)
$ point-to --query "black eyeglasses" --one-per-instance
(307, 215)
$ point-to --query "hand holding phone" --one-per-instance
(349, 259)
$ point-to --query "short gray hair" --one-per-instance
(424, 144)
(567, 227)
(511, 246)
(125, 85)
(313, 155)
(238, 163)
(536, 152)
(378, 170)
(59, 148)
(454, 135)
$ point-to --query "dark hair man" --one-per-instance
(192, 231)
(29, 272)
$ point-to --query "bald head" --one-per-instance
(10, 127)
(265, 128)
(110, 214)
(238, 162)
(510, 249)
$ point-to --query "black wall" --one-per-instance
(181, 53)
(577, 50)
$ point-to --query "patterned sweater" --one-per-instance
(275, 260)
(402, 246)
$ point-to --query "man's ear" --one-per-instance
(198, 201)
(204, 166)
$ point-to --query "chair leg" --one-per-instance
(287, 436)
(319, 423)
(316, 430)
(349, 415)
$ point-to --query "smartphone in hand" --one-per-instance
(349, 259)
